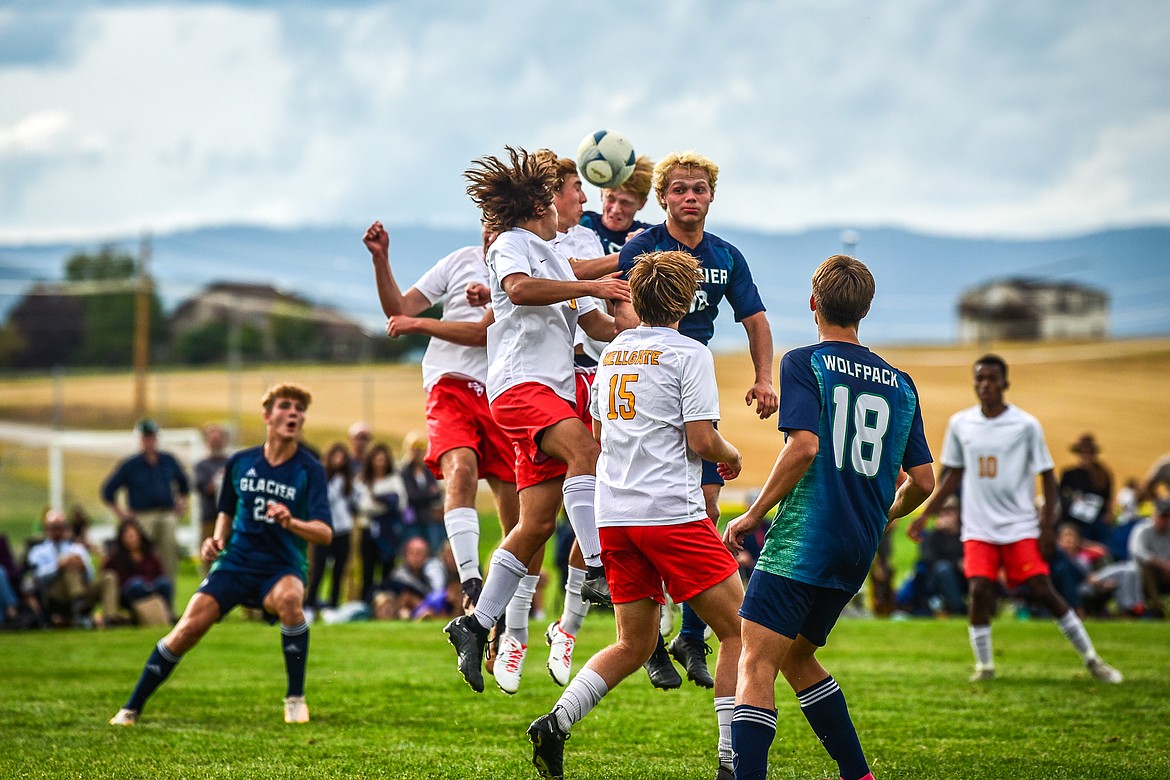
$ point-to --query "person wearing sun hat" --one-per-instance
(1086, 492)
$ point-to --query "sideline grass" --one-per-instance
(387, 702)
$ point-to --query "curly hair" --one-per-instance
(663, 285)
(509, 193)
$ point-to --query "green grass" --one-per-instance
(386, 701)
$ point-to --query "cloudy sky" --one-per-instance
(992, 118)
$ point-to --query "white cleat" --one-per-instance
(295, 710)
(982, 673)
(1103, 672)
(509, 664)
(560, 653)
(124, 717)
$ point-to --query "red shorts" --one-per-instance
(522, 412)
(688, 558)
(1020, 561)
(584, 379)
(458, 416)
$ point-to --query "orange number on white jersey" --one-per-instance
(988, 466)
(621, 397)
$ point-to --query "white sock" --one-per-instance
(1074, 630)
(462, 526)
(503, 577)
(724, 709)
(575, 608)
(584, 692)
(980, 637)
(516, 617)
(578, 492)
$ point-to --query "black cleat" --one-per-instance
(471, 589)
(595, 590)
(662, 672)
(691, 655)
(548, 747)
(495, 634)
(725, 773)
(468, 638)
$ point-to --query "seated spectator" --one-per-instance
(417, 576)
(138, 575)
(1149, 547)
(1072, 562)
(62, 576)
(1125, 505)
(1086, 492)
(941, 554)
(445, 602)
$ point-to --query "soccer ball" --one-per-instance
(605, 159)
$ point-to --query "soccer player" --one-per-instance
(537, 305)
(654, 404)
(995, 451)
(463, 442)
(685, 187)
(619, 207)
(851, 423)
(273, 504)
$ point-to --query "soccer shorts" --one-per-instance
(234, 588)
(688, 558)
(523, 412)
(792, 608)
(1020, 561)
(584, 379)
(458, 416)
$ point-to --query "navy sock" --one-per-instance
(295, 641)
(158, 667)
(752, 732)
(823, 705)
(693, 626)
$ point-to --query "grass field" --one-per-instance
(387, 702)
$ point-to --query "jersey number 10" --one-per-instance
(869, 417)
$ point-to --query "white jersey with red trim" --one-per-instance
(581, 243)
(447, 282)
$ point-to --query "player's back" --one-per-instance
(447, 282)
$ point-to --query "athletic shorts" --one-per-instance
(584, 376)
(523, 412)
(1020, 561)
(458, 416)
(792, 608)
(688, 558)
(234, 588)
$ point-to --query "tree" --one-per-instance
(47, 328)
(108, 336)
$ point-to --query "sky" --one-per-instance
(997, 118)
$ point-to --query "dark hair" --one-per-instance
(843, 289)
(332, 471)
(121, 555)
(512, 192)
(993, 360)
(368, 464)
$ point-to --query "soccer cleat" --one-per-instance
(725, 773)
(1103, 672)
(662, 672)
(124, 717)
(510, 664)
(548, 747)
(295, 710)
(468, 638)
(595, 590)
(982, 673)
(471, 589)
(692, 654)
(495, 634)
(560, 653)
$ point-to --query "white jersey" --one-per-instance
(531, 343)
(581, 243)
(447, 283)
(651, 382)
(1000, 457)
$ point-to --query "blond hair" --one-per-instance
(842, 288)
(286, 390)
(663, 285)
(512, 192)
(690, 162)
(640, 180)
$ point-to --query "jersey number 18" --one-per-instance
(869, 417)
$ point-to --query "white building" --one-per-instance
(1032, 310)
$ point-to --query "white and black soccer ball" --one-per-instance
(605, 159)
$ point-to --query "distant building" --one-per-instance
(1032, 310)
(287, 322)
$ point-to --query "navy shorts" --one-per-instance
(789, 607)
(234, 588)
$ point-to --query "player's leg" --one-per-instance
(753, 724)
(513, 646)
(690, 647)
(982, 562)
(561, 634)
(284, 600)
(201, 613)
(1073, 629)
(718, 607)
(460, 469)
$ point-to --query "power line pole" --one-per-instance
(142, 327)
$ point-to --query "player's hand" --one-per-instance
(730, 470)
(916, 528)
(279, 513)
(611, 288)
(377, 240)
(765, 399)
(400, 325)
(478, 294)
(212, 547)
(631, 234)
(737, 529)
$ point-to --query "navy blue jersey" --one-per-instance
(869, 423)
(725, 275)
(258, 544)
(148, 486)
(611, 240)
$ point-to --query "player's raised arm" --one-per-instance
(762, 392)
(466, 334)
(525, 290)
(596, 268)
(393, 300)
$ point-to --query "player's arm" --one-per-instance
(762, 392)
(598, 325)
(596, 268)
(312, 531)
(911, 493)
(214, 544)
(948, 483)
(393, 301)
(709, 444)
(525, 290)
(1049, 512)
(466, 334)
(798, 454)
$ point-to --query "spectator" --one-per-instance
(1074, 559)
(1157, 477)
(415, 578)
(137, 572)
(383, 500)
(1086, 492)
(62, 576)
(447, 601)
(422, 493)
(359, 445)
(1149, 547)
(208, 476)
(152, 479)
(942, 559)
(79, 525)
(343, 504)
(1125, 505)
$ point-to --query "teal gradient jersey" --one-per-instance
(869, 424)
(257, 544)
